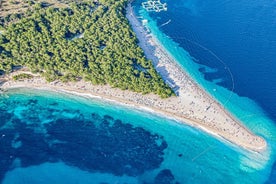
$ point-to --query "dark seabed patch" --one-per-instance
(96, 143)
(165, 177)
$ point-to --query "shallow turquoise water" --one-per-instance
(199, 66)
(42, 129)
(47, 137)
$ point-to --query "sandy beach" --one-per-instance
(192, 106)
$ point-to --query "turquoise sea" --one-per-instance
(47, 137)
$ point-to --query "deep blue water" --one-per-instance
(51, 138)
(240, 35)
(226, 45)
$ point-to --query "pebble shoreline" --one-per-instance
(192, 106)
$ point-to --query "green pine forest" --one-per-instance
(87, 40)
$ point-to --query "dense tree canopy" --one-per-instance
(92, 41)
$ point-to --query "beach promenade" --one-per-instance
(192, 105)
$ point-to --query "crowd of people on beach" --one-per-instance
(192, 102)
(192, 105)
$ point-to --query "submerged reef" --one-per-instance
(95, 144)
